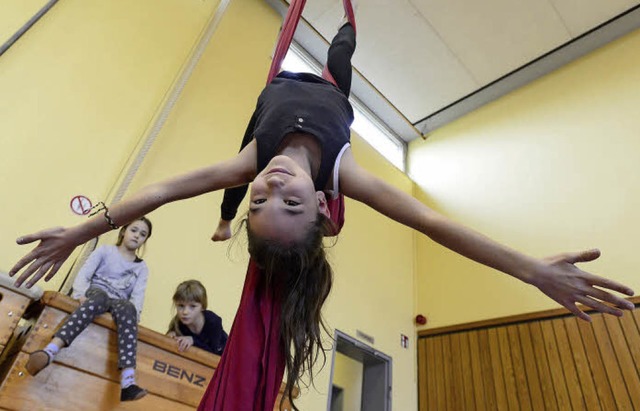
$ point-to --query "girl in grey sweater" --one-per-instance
(113, 279)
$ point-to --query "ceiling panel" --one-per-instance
(494, 37)
(581, 16)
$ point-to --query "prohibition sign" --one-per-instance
(80, 205)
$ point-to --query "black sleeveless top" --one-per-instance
(295, 102)
(302, 102)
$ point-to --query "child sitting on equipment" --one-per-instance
(114, 280)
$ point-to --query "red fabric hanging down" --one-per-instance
(250, 371)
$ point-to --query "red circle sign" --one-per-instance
(80, 205)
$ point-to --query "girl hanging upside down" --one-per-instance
(296, 150)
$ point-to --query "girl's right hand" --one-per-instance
(184, 342)
(56, 244)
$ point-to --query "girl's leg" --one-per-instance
(339, 55)
(234, 196)
(125, 315)
(80, 319)
(95, 304)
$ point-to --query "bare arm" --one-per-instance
(56, 244)
(557, 276)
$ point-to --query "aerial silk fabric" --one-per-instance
(249, 374)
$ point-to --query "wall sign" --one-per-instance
(80, 205)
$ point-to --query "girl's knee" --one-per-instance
(96, 296)
(126, 308)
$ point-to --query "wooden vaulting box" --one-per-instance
(85, 375)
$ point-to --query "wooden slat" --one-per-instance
(555, 366)
(476, 371)
(12, 307)
(581, 361)
(507, 368)
(542, 365)
(432, 375)
(457, 371)
(61, 388)
(632, 335)
(439, 366)
(487, 371)
(497, 371)
(447, 375)
(519, 371)
(423, 392)
(627, 366)
(636, 316)
(568, 364)
(600, 378)
(610, 362)
(529, 357)
(467, 377)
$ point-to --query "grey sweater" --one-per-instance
(107, 269)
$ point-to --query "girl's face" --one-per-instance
(284, 201)
(135, 235)
(188, 311)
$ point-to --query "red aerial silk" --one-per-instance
(250, 372)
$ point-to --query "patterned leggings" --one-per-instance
(124, 314)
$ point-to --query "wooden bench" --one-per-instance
(85, 375)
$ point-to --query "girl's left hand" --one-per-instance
(562, 281)
(184, 342)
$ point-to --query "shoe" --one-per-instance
(38, 360)
(132, 393)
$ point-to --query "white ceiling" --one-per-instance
(422, 56)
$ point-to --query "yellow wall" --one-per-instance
(79, 92)
(15, 13)
(549, 168)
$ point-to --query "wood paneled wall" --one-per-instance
(546, 361)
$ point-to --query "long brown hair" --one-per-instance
(124, 228)
(303, 274)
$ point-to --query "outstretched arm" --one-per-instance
(56, 244)
(557, 276)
